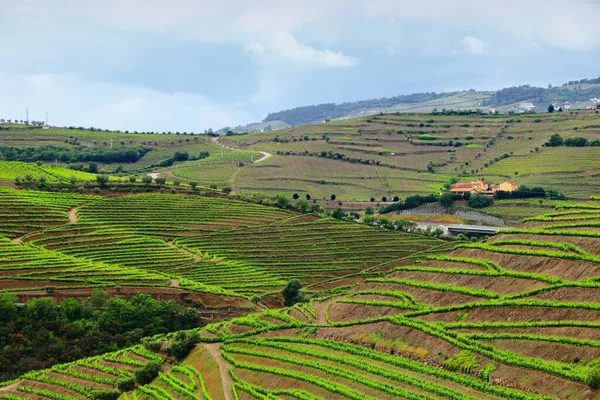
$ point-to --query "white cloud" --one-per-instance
(70, 100)
(474, 45)
(287, 46)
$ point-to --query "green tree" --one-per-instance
(292, 293)
(447, 199)
(193, 184)
(102, 179)
(480, 201)
(550, 108)
(148, 372)
(302, 205)
(369, 211)
(281, 200)
(147, 179)
(555, 140)
(160, 180)
(132, 179)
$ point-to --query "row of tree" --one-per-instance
(73, 155)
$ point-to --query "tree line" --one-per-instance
(72, 155)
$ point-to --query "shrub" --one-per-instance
(126, 384)
(480, 201)
(148, 372)
(183, 343)
(147, 179)
(105, 394)
(593, 377)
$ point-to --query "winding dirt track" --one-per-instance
(215, 351)
(266, 155)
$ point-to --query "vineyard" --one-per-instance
(389, 315)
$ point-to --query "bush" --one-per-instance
(593, 378)
(147, 179)
(105, 394)
(148, 372)
(480, 201)
(183, 343)
(126, 384)
(227, 190)
(160, 181)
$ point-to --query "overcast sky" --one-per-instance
(189, 65)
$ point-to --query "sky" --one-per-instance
(190, 65)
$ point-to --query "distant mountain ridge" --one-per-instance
(575, 94)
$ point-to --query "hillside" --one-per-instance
(357, 159)
(514, 317)
(574, 94)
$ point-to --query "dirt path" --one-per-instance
(265, 155)
(73, 215)
(227, 383)
(174, 283)
(10, 388)
(16, 240)
(195, 256)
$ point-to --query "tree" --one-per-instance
(160, 180)
(148, 372)
(308, 197)
(479, 201)
(369, 211)
(296, 196)
(193, 184)
(281, 200)
(292, 293)
(338, 213)
(555, 140)
(147, 179)
(333, 197)
(302, 205)
(447, 199)
(384, 199)
(396, 198)
(550, 108)
(102, 179)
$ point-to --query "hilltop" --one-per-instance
(576, 94)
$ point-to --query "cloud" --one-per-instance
(474, 45)
(287, 46)
(71, 100)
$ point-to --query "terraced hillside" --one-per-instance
(514, 317)
(394, 154)
(355, 159)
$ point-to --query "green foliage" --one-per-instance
(593, 377)
(51, 333)
(105, 394)
(182, 344)
(292, 293)
(480, 201)
(464, 361)
(126, 384)
(148, 372)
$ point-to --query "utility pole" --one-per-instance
(46, 118)
(27, 116)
